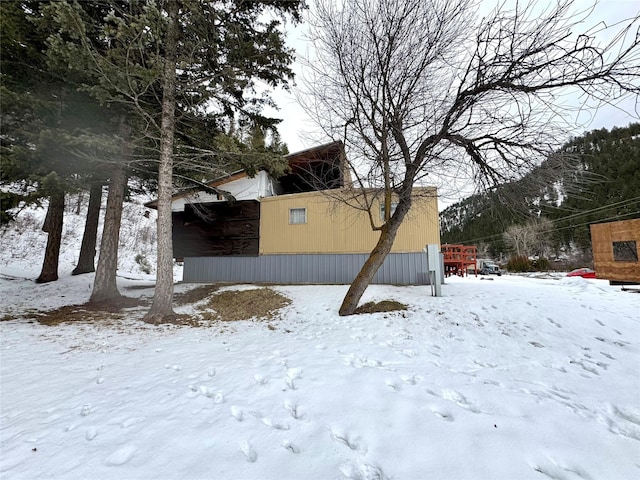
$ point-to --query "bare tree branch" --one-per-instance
(422, 87)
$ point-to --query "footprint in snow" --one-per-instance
(392, 384)
(236, 412)
(554, 323)
(493, 382)
(362, 471)
(269, 422)
(561, 472)
(121, 456)
(454, 396)
(293, 374)
(131, 421)
(459, 399)
(293, 448)
(293, 409)
(409, 379)
(92, 432)
(249, 452)
(353, 442)
(442, 414)
(218, 397)
(623, 421)
(358, 361)
(260, 380)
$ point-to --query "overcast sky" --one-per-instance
(297, 129)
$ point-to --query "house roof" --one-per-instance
(299, 162)
(326, 147)
(230, 177)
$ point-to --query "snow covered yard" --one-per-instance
(514, 378)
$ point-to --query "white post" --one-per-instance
(435, 273)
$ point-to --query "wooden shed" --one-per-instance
(616, 250)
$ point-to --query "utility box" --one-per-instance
(435, 262)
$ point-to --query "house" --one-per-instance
(296, 229)
(616, 250)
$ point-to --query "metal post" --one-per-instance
(435, 272)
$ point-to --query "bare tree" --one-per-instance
(422, 87)
(531, 238)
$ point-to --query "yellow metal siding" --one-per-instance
(333, 227)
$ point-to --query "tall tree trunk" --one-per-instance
(89, 238)
(162, 306)
(104, 287)
(53, 226)
(375, 260)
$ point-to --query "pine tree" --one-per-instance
(49, 129)
(169, 65)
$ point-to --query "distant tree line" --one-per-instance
(552, 217)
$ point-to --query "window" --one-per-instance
(393, 209)
(297, 216)
(625, 251)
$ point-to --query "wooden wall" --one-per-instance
(602, 237)
(216, 229)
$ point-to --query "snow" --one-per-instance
(23, 241)
(509, 378)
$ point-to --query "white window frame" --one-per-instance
(394, 205)
(294, 220)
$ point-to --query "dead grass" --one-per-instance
(104, 312)
(195, 295)
(232, 305)
(383, 306)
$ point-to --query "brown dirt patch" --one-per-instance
(383, 306)
(115, 305)
(75, 313)
(232, 305)
(195, 295)
(104, 312)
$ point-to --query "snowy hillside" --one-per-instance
(23, 241)
(509, 378)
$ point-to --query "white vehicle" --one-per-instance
(490, 268)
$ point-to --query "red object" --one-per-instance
(582, 272)
(458, 258)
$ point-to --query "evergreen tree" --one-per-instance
(50, 131)
(170, 65)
